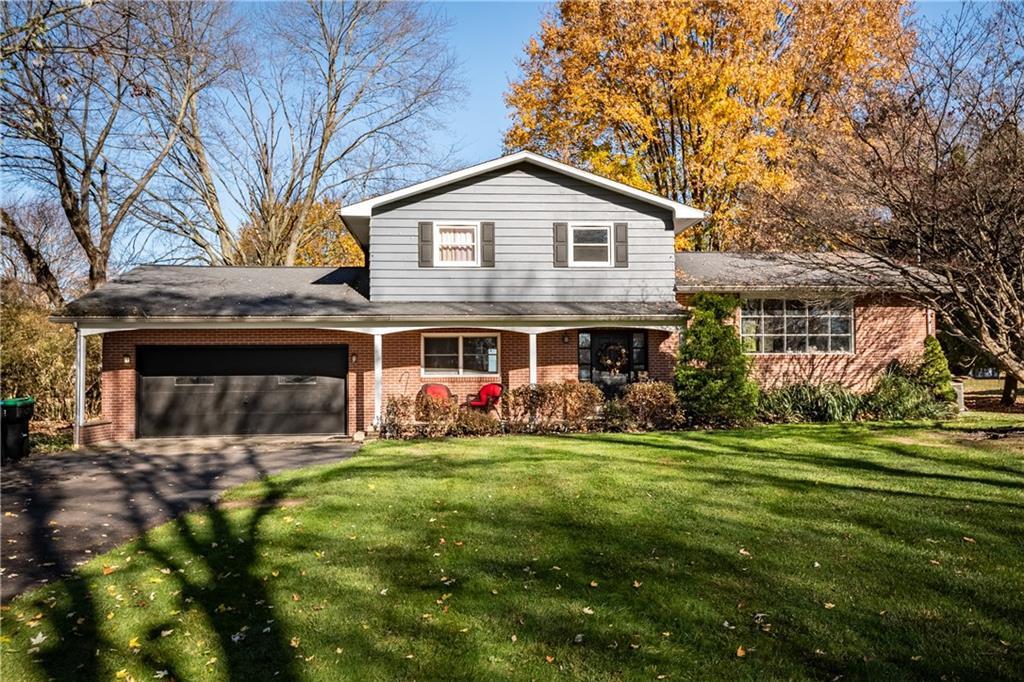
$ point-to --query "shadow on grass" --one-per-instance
(521, 513)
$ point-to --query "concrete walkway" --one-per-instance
(61, 510)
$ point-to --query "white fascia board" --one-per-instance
(523, 324)
(683, 216)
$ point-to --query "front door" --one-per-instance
(612, 358)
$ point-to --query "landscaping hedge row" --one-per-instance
(712, 389)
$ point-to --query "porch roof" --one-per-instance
(157, 293)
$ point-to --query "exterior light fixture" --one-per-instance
(565, 338)
(126, 359)
(355, 357)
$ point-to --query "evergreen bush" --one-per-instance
(712, 372)
(934, 372)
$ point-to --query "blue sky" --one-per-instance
(488, 38)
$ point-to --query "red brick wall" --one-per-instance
(556, 361)
(885, 329)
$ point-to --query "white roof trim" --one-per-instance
(682, 215)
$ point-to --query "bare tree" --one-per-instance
(23, 27)
(91, 126)
(338, 100)
(930, 182)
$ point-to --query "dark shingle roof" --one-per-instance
(162, 291)
(709, 271)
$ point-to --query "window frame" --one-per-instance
(461, 372)
(570, 238)
(436, 238)
(785, 335)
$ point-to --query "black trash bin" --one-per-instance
(14, 417)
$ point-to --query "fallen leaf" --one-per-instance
(107, 570)
(744, 552)
(295, 642)
(295, 597)
(38, 639)
(970, 540)
(593, 583)
(587, 610)
(514, 638)
(829, 605)
(637, 584)
(133, 643)
(741, 652)
(549, 659)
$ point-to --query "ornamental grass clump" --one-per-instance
(808, 402)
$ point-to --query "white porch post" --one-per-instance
(378, 379)
(79, 386)
(533, 358)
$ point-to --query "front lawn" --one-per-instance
(860, 551)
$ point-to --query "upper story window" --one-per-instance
(590, 245)
(773, 325)
(457, 244)
(459, 354)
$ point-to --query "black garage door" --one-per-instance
(224, 390)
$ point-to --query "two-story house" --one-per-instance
(517, 270)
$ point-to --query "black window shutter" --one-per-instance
(561, 239)
(426, 245)
(487, 245)
(621, 245)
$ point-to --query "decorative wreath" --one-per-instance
(613, 357)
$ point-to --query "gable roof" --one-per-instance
(357, 216)
(767, 272)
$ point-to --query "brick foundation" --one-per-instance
(556, 361)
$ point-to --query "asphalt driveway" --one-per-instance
(61, 510)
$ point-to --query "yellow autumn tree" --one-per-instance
(699, 101)
(325, 241)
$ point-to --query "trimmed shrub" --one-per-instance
(550, 407)
(934, 372)
(808, 402)
(712, 371)
(581, 402)
(436, 416)
(617, 417)
(898, 396)
(398, 418)
(652, 405)
(476, 423)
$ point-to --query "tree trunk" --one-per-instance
(1009, 390)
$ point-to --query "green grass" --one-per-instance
(861, 551)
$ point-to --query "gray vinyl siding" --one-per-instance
(523, 202)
